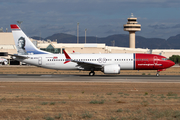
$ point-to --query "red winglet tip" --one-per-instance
(14, 26)
(66, 55)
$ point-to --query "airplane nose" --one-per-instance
(171, 63)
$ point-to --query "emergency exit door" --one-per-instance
(40, 61)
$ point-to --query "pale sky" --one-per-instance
(158, 18)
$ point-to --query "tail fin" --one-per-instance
(23, 44)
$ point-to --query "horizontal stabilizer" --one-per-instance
(18, 56)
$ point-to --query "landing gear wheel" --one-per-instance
(157, 75)
(92, 73)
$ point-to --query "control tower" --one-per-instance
(132, 27)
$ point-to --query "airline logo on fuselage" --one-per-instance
(149, 64)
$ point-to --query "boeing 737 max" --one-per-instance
(107, 63)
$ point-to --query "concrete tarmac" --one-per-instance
(86, 78)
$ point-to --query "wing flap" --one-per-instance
(87, 64)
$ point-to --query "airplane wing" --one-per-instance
(18, 56)
(82, 64)
(87, 64)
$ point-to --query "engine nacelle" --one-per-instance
(111, 69)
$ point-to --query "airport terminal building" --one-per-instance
(7, 44)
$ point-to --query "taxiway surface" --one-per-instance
(86, 78)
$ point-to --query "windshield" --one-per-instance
(164, 59)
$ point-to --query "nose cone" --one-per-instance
(171, 63)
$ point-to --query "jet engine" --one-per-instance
(111, 69)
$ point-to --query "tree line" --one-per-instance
(175, 58)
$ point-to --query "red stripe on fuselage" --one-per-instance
(151, 62)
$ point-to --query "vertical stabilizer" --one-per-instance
(23, 44)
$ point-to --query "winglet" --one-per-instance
(68, 59)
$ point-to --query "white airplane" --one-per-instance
(3, 61)
(107, 63)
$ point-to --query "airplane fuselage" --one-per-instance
(107, 63)
(132, 61)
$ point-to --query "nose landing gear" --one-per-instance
(158, 71)
(157, 75)
(92, 73)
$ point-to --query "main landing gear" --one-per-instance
(92, 73)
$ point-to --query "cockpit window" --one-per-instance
(164, 59)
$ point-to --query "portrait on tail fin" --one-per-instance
(21, 46)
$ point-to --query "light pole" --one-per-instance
(85, 35)
(96, 38)
(77, 32)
